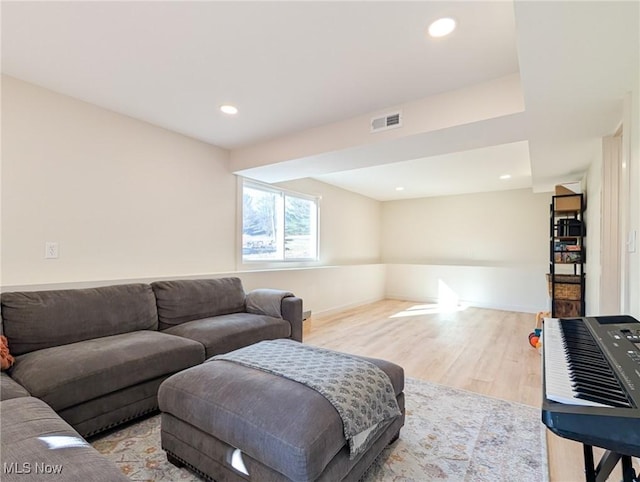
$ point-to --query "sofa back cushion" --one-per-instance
(185, 300)
(42, 319)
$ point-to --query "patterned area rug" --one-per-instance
(449, 434)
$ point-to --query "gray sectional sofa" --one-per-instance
(97, 356)
(37, 445)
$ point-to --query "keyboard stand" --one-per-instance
(606, 465)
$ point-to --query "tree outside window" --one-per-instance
(278, 225)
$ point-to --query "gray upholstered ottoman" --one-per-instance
(219, 413)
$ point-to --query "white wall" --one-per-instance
(487, 100)
(520, 288)
(491, 248)
(631, 135)
(506, 228)
(349, 223)
(327, 288)
(122, 197)
(593, 223)
(129, 201)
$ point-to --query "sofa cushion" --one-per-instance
(225, 333)
(185, 300)
(43, 319)
(32, 433)
(9, 388)
(65, 376)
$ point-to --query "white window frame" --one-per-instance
(281, 262)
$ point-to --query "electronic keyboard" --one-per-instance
(591, 383)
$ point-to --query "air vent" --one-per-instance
(388, 121)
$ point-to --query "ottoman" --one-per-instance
(230, 422)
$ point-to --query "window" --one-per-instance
(278, 225)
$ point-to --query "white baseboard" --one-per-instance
(474, 304)
(347, 306)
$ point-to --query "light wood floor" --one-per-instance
(480, 350)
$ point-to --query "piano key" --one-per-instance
(591, 375)
(614, 397)
(605, 401)
(557, 370)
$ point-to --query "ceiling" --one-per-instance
(292, 67)
(447, 174)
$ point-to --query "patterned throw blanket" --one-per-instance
(360, 391)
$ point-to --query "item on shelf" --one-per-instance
(569, 200)
(567, 257)
(567, 308)
(569, 227)
(565, 287)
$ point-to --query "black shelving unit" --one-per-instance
(567, 253)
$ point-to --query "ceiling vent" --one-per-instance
(386, 122)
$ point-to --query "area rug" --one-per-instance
(449, 434)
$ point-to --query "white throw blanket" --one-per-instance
(360, 391)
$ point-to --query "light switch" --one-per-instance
(51, 250)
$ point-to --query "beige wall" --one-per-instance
(498, 228)
(631, 135)
(494, 98)
(593, 223)
(489, 249)
(349, 223)
(121, 197)
(128, 201)
(326, 288)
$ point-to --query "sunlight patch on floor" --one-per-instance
(429, 309)
(448, 302)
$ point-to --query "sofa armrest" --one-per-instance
(292, 312)
(279, 304)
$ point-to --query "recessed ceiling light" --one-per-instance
(441, 27)
(505, 176)
(399, 188)
(229, 109)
